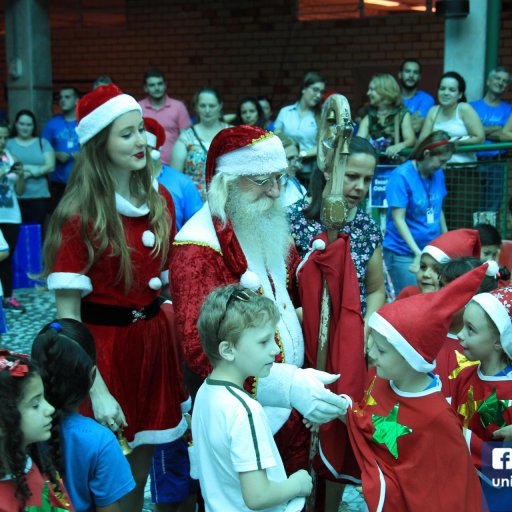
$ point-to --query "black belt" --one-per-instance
(106, 314)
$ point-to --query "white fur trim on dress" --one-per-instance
(148, 238)
(69, 281)
(186, 405)
(102, 116)
(127, 209)
(263, 157)
(436, 253)
(155, 283)
(250, 280)
(383, 327)
(159, 436)
(499, 315)
(150, 139)
(199, 229)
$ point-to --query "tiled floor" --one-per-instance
(40, 304)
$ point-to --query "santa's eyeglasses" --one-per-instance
(267, 183)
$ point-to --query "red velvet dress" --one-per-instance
(138, 362)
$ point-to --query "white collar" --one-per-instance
(127, 209)
(434, 389)
(491, 378)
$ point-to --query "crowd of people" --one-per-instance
(190, 265)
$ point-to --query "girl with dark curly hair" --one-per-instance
(27, 477)
(87, 454)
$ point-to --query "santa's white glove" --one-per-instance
(309, 396)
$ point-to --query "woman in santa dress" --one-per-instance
(105, 255)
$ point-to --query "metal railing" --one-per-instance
(477, 191)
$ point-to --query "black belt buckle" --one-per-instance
(138, 314)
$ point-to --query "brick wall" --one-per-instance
(248, 48)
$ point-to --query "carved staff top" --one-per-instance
(334, 137)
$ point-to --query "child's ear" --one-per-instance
(497, 345)
(226, 350)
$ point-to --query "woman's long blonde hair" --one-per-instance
(90, 193)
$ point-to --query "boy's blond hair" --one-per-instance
(227, 312)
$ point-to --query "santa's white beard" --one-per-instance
(260, 226)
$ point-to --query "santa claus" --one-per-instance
(241, 235)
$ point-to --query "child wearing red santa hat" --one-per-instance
(106, 256)
(452, 244)
(451, 359)
(482, 394)
(406, 438)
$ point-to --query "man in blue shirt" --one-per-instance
(494, 113)
(185, 195)
(492, 110)
(60, 133)
(418, 102)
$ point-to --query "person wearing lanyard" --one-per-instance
(415, 195)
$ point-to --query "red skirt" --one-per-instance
(141, 367)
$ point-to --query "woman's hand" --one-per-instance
(415, 265)
(106, 409)
(393, 150)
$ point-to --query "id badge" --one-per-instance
(71, 144)
(430, 216)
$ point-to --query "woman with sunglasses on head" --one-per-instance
(300, 120)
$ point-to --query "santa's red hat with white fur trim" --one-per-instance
(454, 244)
(97, 109)
(417, 326)
(155, 136)
(498, 305)
(245, 151)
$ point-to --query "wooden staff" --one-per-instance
(334, 137)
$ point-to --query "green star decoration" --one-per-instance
(491, 410)
(388, 430)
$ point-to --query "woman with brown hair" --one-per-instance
(300, 120)
(189, 153)
(415, 195)
(388, 124)
(106, 256)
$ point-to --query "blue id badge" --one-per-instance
(430, 215)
